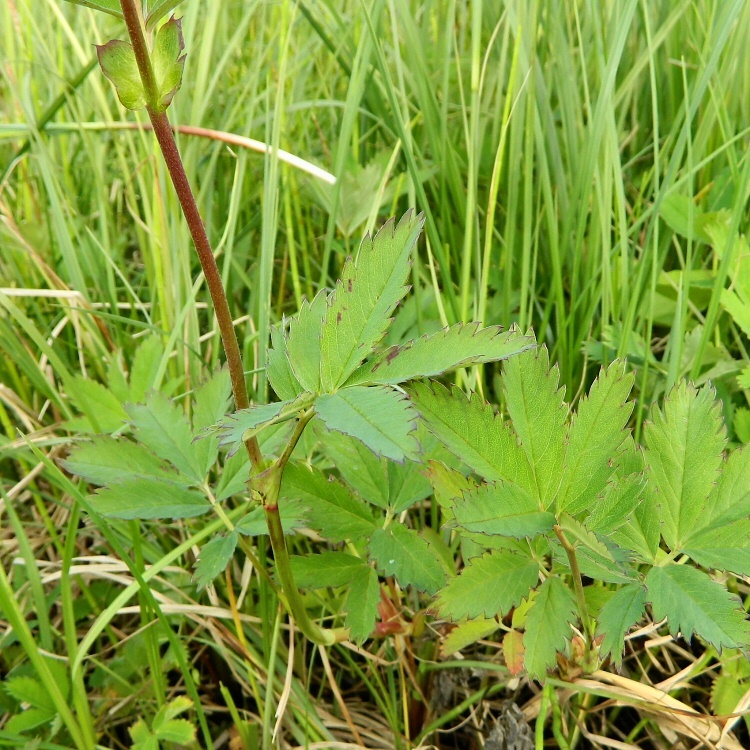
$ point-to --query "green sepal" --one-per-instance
(168, 62)
(117, 61)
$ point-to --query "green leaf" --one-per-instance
(501, 508)
(642, 530)
(360, 306)
(180, 731)
(142, 737)
(402, 553)
(112, 7)
(362, 604)
(145, 369)
(278, 369)
(174, 708)
(235, 428)
(491, 584)
(599, 558)
(146, 498)
(214, 558)
(466, 633)
(29, 690)
(105, 460)
(117, 61)
(447, 485)
(382, 418)
(596, 435)
(293, 514)
(538, 413)
(360, 468)
(618, 615)
(688, 220)
(461, 345)
(101, 407)
(723, 546)
(168, 61)
(469, 430)
(548, 623)
(694, 603)
(407, 484)
(333, 510)
(325, 569)
(616, 504)
(29, 719)
(211, 403)
(684, 452)
(162, 426)
(303, 343)
(730, 499)
(157, 10)
(233, 477)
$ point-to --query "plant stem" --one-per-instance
(268, 482)
(578, 585)
(268, 485)
(168, 146)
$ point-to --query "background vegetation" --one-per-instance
(574, 160)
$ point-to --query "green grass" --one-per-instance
(543, 140)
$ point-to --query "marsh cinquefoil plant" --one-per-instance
(542, 505)
(554, 501)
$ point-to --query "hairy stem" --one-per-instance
(168, 146)
(268, 485)
(578, 585)
(268, 482)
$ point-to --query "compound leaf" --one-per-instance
(382, 418)
(623, 610)
(468, 429)
(360, 306)
(501, 508)
(694, 603)
(596, 434)
(536, 408)
(333, 510)
(146, 497)
(214, 558)
(684, 447)
(460, 345)
(548, 623)
(234, 428)
(491, 584)
(402, 553)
